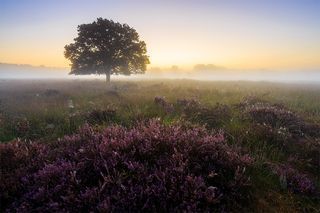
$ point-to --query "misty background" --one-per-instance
(198, 72)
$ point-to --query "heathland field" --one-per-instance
(159, 146)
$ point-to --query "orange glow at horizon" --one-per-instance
(247, 35)
(183, 56)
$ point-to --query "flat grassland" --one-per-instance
(276, 125)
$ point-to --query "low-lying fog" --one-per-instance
(12, 71)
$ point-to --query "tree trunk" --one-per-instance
(108, 77)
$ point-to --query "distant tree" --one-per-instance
(107, 47)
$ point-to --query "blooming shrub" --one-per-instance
(294, 180)
(278, 125)
(279, 117)
(280, 137)
(151, 167)
(18, 159)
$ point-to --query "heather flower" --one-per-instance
(161, 101)
(285, 121)
(151, 167)
(294, 180)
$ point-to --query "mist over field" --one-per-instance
(160, 106)
(198, 72)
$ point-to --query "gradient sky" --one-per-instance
(244, 34)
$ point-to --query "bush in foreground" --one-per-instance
(151, 167)
(294, 180)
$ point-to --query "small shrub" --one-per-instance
(98, 116)
(280, 137)
(22, 128)
(212, 117)
(188, 103)
(279, 117)
(294, 180)
(150, 167)
(161, 101)
(284, 128)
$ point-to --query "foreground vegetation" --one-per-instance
(159, 146)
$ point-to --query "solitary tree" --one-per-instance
(107, 47)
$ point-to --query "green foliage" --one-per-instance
(107, 47)
(277, 125)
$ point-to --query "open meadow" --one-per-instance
(159, 145)
(160, 106)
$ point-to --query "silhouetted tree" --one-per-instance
(107, 47)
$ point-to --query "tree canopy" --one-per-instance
(107, 47)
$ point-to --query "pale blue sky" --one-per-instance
(232, 33)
